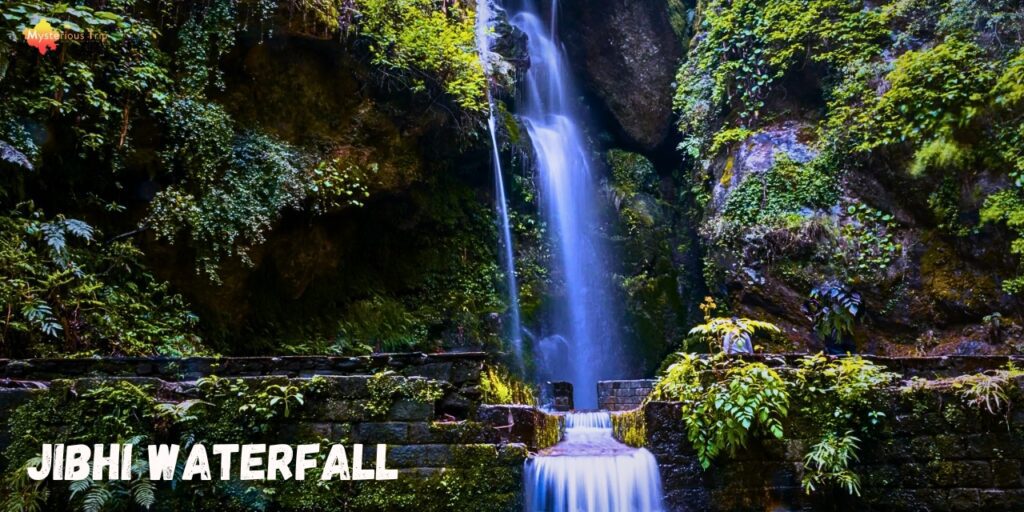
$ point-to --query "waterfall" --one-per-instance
(483, 42)
(569, 205)
(591, 471)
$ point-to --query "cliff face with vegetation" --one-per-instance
(313, 177)
(866, 150)
(245, 177)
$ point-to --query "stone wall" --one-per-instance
(934, 452)
(422, 437)
(623, 395)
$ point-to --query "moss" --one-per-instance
(949, 279)
(498, 386)
(549, 431)
(630, 427)
(461, 431)
(386, 388)
(787, 188)
(726, 178)
(478, 480)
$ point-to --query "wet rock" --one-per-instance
(11, 155)
(628, 54)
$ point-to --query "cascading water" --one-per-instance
(591, 471)
(570, 209)
(515, 330)
(588, 471)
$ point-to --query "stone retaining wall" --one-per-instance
(934, 452)
(623, 395)
(422, 438)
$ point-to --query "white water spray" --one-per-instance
(515, 330)
(591, 471)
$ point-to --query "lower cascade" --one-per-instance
(590, 471)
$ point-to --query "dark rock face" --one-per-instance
(627, 53)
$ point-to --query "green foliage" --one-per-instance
(224, 411)
(828, 462)
(745, 48)
(236, 185)
(723, 401)
(867, 246)
(733, 333)
(832, 308)
(631, 174)
(95, 88)
(788, 187)
(117, 412)
(22, 493)
(383, 323)
(987, 391)
(932, 93)
(138, 124)
(63, 291)
(415, 37)
(498, 386)
(1007, 207)
(841, 398)
(651, 237)
(477, 481)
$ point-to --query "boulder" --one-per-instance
(627, 53)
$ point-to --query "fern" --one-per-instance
(96, 498)
(22, 494)
(734, 333)
(144, 492)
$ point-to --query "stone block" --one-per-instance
(1007, 474)
(384, 433)
(944, 473)
(963, 499)
(347, 386)
(408, 410)
(422, 455)
(435, 371)
(335, 410)
(1008, 500)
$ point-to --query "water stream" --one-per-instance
(589, 471)
(515, 329)
(569, 205)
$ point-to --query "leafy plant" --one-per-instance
(832, 309)
(22, 494)
(95, 496)
(63, 292)
(828, 462)
(733, 333)
(724, 401)
(841, 398)
(416, 36)
(787, 187)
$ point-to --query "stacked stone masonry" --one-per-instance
(422, 438)
(622, 395)
(934, 453)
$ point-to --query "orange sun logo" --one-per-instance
(42, 37)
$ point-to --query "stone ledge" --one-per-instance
(454, 367)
